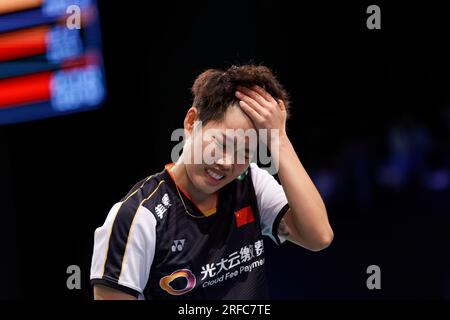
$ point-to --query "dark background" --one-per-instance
(371, 124)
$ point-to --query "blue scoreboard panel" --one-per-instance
(50, 59)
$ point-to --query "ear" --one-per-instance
(191, 117)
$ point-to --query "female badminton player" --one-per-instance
(195, 230)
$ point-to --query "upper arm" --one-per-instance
(286, 229)
(124, 248)
(106, 293)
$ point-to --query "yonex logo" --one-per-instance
(178, 245)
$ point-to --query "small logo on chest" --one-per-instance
(178, 245)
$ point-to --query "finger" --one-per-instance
(252, 113)
(254, 95)
(250, 101)
(263, 93)
(282, 105)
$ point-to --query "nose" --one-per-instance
(225, 162)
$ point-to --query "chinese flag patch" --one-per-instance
(244, 216)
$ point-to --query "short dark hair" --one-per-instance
(214, 90)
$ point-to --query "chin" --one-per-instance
(206, 188)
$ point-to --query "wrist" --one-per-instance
(283, 140)
(280, 144)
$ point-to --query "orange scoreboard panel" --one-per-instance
(50, 59)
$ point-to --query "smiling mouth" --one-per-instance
(214, 175)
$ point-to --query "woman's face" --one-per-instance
(221, 151)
